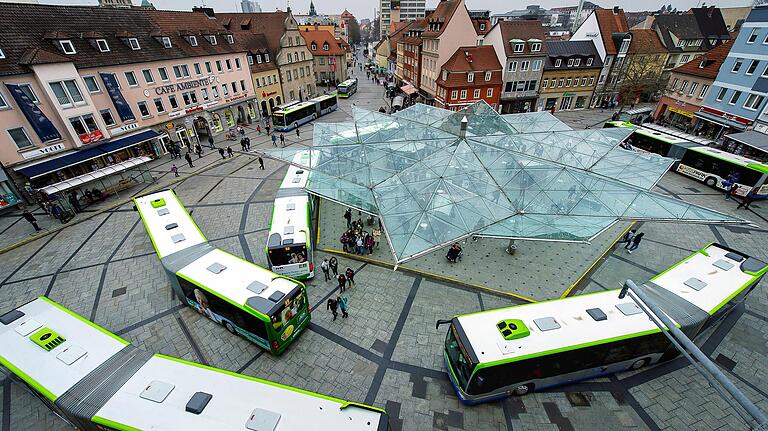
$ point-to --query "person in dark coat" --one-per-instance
(282, 139)
(333, 305)
(348, 217)
(751, 195)
(210, 142)
(189, 160)
(261, 163)
(334, 264)
(350, 276)
(230, 153)
(221, 153)
(627, 238)
(31, 219)
(342, 282)
(75, 203)
(199, 151)
(635, 242)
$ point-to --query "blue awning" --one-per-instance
(85, 154)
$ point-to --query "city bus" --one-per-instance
(648, 140)
(265, 308)
(712, 166)
(97, 381)
(325, 104)
(516, 350)
(289, 244)
(347, 88)
(294, 116)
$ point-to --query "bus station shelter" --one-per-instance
(434, 176)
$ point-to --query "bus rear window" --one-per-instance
(291, 306)
(460, 364)
(286, 255)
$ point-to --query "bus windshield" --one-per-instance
(278, 119)
(291, 306)
(460, 365)
(286, 255)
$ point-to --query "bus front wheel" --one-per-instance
(230, 328)
(523, 389)
(711, 181)
(640, 363)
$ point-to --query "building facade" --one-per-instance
(472, 74)
(394, 11)
(738, 94)
(409, 55)
(88, 87)
(329, 57)
(293, 58)
(448, 28)
(520, 48)
(688, 85)
(570, 74)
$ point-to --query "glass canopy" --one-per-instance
(518, 176)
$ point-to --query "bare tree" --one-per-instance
(640, 75)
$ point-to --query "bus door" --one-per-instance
(289, 317)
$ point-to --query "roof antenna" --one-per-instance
(464, 124)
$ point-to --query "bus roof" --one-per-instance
(576, 326)
(286, 104)
(347, 82)
(236, 400)
(52, 373)
(732, 158)
(664, 137)
(240, 281)
(289, 217)
(678, 133)
(323, 97)
(161, 210)
(295, 107)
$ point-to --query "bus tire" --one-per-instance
(640, 363)
(521, 390)
(711, 181)
(230, 328)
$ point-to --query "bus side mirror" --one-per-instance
(623, 291)
(441, 322)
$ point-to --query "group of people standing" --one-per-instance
(346, 280)
(632, 240)
(732, 189)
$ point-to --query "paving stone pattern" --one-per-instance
(388, 351)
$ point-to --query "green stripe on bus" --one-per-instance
(146, 228)
(189, 216)
(249, 310)
(112, 424)
(28, 380)
(84, 320)
(343, 403)
(738, 291)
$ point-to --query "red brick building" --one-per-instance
(472, 73)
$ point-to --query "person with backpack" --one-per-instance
(342, 301)
(175, 170)
(635, 242)
(342, 282)
(274, 139)
(333, 305)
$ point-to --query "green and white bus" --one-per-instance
(294, 116)
(289, 245)
(265, 308)
(516, 350)
(648, 140)
(325, 104)
(712, 166)
(347, 88)
(96, 381)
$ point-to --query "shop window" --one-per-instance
(216, 123)
(230, 118)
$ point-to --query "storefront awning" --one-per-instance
(408, 89)
(88, 153)
(720, 120)
(95, 175)
(751, 138)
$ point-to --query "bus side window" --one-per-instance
(252, 324)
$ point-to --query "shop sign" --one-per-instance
(265, 94)
(94, 136)
(233, 98)
(8, 199)
(41, 151)
(169, 126)
(181, 86)
(125, 128)
(682, 112)
(191, 110)
(569, 93)
(727, 116)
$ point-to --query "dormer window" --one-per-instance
(266, 58)
(536, 47)
(487, 76)
(134, 43)
(519, 47)
(589, 61)
(325, 46)
(67, 47)
(482, 26)
(250, 59)
(314, 46)
(558, 62)
(470, 76)
(166, 41)
(577, 62)
(192, 40)
(211, 40)
(258, 58)
(102, 45)
(230, 39)
(570, 62)
(624, 46)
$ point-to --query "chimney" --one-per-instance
(206, 10)
(615, 10)
(463, 130)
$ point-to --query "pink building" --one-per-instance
(87, 87)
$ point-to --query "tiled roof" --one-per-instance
(477, 21)
(270, 24)
(523, 30)
(646, 41)
(565, 49)
(610, 23)
(713, 59)
(320, 38)
(682, 26)
(257, 44)
(23, 27)
(442, 15)
(478, 59)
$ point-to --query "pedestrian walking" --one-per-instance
(274, 140)
(334, 264)
(635, 242)
(75, 203)
(189, 160)
(751, 195)
(199, 151)
(282, 139)
(333, 305)
(267, 127)
(221, 153)
(734, 191)
(258, 129)
(627, 238)
(230, 153)
(342, 282)
(350, 276)
(242, 144)
(326, 267)
(348, 217)
(175, 170)
(343, 306)
(247, 144)
(261, 163)
(728, 185)
(240, 130)
(31, 219)
(297, 132)
(210, 142)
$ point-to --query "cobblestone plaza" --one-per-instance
(388, 352)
